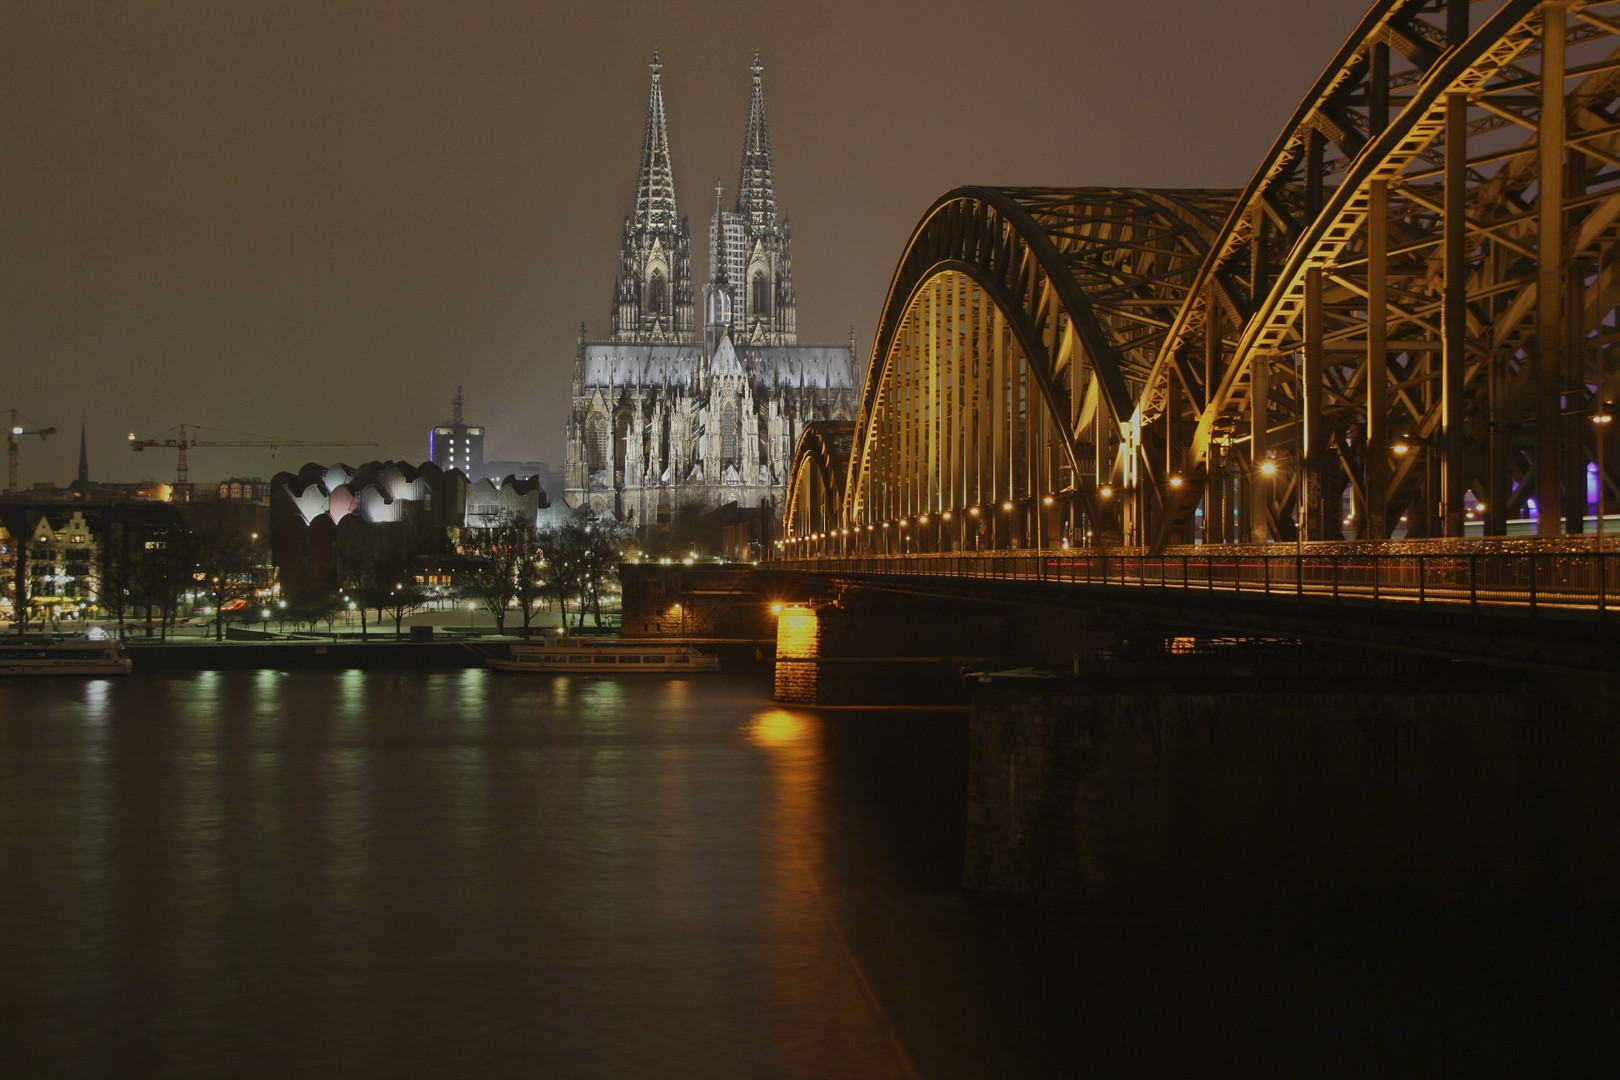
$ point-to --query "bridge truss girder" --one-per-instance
(1413, 173)
(1389, 330)
(1021, 326)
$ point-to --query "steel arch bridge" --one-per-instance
(1401, 328)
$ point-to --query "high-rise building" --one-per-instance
(669, 413)
(458, 444)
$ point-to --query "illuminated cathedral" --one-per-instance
(697, 398)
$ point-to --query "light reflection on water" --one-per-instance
(462, 873)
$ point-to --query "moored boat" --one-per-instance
(62, 656)
(604, 657)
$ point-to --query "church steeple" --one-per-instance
(653, 299)
(655, 190)
(756, 192)
(754, 245)
(84, 459)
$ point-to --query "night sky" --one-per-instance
(313, 220)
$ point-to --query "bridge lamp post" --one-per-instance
(973, 512)
(1408, 444)
(1268, 470)
(1602, 418)
(1006, 508)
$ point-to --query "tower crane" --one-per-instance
(14, 431)
(185, 440)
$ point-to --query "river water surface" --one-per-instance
(459, 873)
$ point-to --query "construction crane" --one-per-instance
(16, 430)
(185, 440)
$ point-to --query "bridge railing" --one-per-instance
(1559, 579)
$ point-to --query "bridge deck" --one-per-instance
(1544, 581)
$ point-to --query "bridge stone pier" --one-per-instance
(1116, 765)
(1252, 782)
(862, 650)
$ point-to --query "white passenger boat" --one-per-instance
(610, 656)
(65, 656)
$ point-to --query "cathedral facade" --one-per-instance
(697, 397)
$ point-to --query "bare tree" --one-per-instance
(226, 561)
(560, 572)
(600, 552)
(490, 559)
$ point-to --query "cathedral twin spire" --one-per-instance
(655, 191)
(750, 261)
(756, 193)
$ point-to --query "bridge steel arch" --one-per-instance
(1020, 326)
(813, 504)
(1403, 325)
(1401, 333)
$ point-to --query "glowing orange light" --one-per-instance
(775, 728)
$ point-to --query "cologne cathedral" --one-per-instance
(687, 407)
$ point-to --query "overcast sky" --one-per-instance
(313, 219)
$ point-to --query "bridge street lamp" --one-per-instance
(1602, 418)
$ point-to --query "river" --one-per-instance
(437, 873)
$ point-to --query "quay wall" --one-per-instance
(290, 655)
(720, 601)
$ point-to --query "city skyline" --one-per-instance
(314, 226)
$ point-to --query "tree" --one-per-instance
(403, 598)
(582, 558)
(378, 567)
(307, 613)
(601, 551)
(531, 590)
(161, 571)
(489, 560)
(226, 560)
(562, 570)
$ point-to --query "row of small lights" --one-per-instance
(922, 519)
(1106, 491)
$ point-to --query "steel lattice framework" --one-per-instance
(1403, 324)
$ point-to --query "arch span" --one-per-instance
(813, 506)
(1402, 326)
